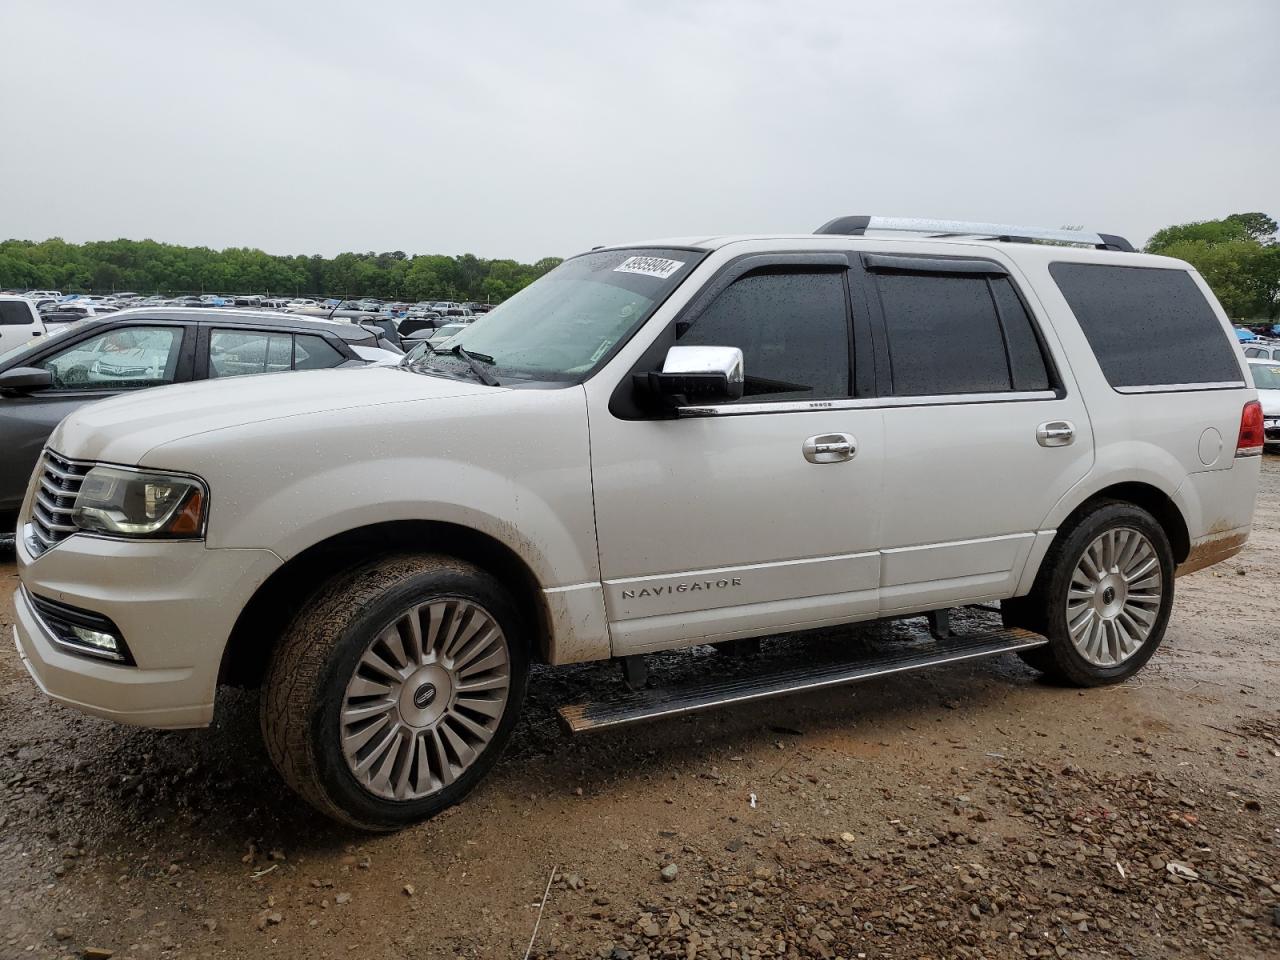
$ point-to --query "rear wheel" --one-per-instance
(394, 691)
(1103, 597)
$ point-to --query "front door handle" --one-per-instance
(1056, 433)
(830, 448)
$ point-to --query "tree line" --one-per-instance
(1238, 256)
(145, 266)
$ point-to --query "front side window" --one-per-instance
(566, 323)
(955, 334)
(793, 331)
(121, 359)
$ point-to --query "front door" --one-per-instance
(85, 367)
(749, 517)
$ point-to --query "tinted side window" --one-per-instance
(1147, 326)
(14, 314)
(314, 353)
(792, 329)
(1026, 358)
(1255, 352)
(944, 335)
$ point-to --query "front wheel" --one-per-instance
(393, 692)
(1103, 597)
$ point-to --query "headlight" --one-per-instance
(135, 504)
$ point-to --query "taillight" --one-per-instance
(1252, 435)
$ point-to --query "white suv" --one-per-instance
(690, 441)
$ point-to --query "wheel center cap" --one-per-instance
(423, 696)
(1111, 594)
(1108, 596)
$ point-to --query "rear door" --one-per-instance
(984, 430)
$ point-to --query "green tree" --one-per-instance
(1238, 257)
(151, 267)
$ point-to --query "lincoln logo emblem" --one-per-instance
(423, 696)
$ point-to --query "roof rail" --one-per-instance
(857, 226)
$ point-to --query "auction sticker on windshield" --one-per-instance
(659, 267)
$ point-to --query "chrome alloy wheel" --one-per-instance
(425, 699)
(1114, 597)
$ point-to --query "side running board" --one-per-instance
(673, 701)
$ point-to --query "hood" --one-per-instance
(122, 429)
(1270, 402)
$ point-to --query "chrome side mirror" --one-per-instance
(699, 375)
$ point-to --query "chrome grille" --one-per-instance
(55, 496)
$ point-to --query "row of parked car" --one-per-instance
(48, 370)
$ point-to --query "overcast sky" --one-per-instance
(531, 129)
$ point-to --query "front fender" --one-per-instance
(285, 518)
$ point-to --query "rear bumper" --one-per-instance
(175, 605)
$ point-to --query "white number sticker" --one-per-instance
(659, 267)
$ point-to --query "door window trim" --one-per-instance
(865, 403)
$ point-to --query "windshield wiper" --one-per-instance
(477, 361)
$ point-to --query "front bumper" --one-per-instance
(175, 604)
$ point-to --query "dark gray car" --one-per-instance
(44, 380)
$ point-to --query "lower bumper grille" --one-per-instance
(73, 628)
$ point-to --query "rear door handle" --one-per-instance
(1056, 433)
(830, 448)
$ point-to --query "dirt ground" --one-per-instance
(970, 811)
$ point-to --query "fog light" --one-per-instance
(105, 642)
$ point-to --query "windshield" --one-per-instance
(564, 325)
(1266, 376)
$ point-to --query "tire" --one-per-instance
(367, 723)
(1119, 614)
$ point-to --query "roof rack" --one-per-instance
(857, 226)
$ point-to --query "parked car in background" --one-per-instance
(1262, 349)
(91, 360)
(1266, 377)
(444, 333)
(73, 311)
(20, 323)
(300, 303)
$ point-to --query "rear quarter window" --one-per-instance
(1147, 326)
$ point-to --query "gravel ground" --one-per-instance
(970, 811)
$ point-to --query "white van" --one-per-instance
(689, 441)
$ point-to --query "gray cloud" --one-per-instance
(531, 129)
